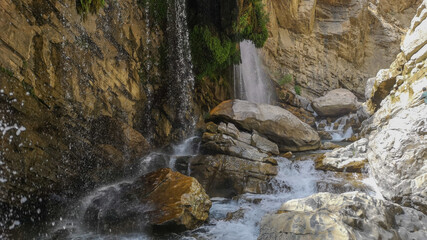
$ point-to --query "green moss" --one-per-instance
(84, 7)
(298, 89)
(252, 23)
(288, 78)
(6, 71)
(211, 53)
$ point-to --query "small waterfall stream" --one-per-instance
(180, 65)
(250, 81)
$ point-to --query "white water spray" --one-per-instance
(250, 81)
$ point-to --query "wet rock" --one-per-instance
(228, 176)
(324, 135)
(329, 146)
(164, 200)
(352, 158)
(272, 122)
(351, 215)
(287, 155)
(337, 102)
(264, 144)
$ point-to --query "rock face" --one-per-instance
(275, 123)
(349, 159)
(332, 44)
(397, 147)
(335, 103)
(165, 200)
(227, 176)
(233, 161)
(89, 94)
(349, 215)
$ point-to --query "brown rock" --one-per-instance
(165, 200)
(227, 176)
(179, 201)
(287, 155)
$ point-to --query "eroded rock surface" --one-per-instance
(164, 200)
(233, 161)
(334, 44)
(337, 102)
(397, 149)
(352, 158)
(351, 215)
(275, 123)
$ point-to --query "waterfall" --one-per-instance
(250, 81)
(180, 66)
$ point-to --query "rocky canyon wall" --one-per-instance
(329, 44)
(397, 132)
(81, 101)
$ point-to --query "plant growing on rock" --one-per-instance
(287, 78)
(89, 6)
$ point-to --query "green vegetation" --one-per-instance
(84, 7)
(212, 53)
(288, 78)
(158, 10)
(6, 71)
(298, 89)
(252, 23)
(215, 49)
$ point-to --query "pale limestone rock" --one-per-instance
(397, 147)
(351, 215)
(335, 103)
(352, 158)
(416, 37)
(274, 123)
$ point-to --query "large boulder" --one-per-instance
(352, 158)
(164, 200)
(351, 215)
(335, 103)
(228, 176)
(274, 123)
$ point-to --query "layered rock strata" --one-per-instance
(234, 162)
(326, 44)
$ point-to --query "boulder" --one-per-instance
(228, 176)
(272, 122)
(351, 215)
(164, 200)
(329, 146)
(349, 159)
(335, 103)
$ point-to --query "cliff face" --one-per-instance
(328, 44)
(397, 148)
(81, 101)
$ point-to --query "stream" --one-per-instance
(236, 218)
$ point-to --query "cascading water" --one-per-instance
(339, 129)
(180, 65)
(250, 81)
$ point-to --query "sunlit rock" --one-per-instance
(164, 200)
(397, 149)
(349, 159)
(275, 123)
(351, 215)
